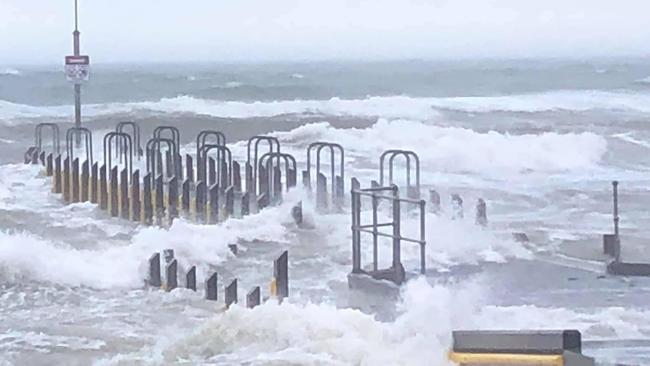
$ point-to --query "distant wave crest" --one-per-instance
(10, 71)
(392, 107)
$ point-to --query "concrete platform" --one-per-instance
(628, 269)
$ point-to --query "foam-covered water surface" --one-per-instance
(539, 141)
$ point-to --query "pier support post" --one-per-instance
(189, 168)
(481, 213)
(185, 197)
(124, 194)
(172, 196)
(154, 279)
(66, 180)
(171, 275)
(85, 179)
(296, 214)
(236, 176)
(212, 171)
(434, 201)
(49, 167)
(58, 184)
(276, 198)
(94, 183)
(280, 282)
(113, 193)
(103, 188)
(200, 201)
(159, 200)
(147, 201)
(457, 206)
(211, 292)
(134, 214)
(190, 279)
(612, 242)
(230, 201)
(74, 181)
(253, 298)
(339, 196)
(231, 293)
(321, 192)
(246, 204)
(213, 205)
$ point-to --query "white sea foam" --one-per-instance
(111, 265)
(10, 71)
(452, 149)
(387, 107)
(645, 80)
(321, 334)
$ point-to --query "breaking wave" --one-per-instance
(25, 255)
(453, 149)
(393, 107)
(10, 72)
(322, 334)
(645, 80)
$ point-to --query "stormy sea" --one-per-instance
(540, 141)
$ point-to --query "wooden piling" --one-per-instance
(134, 214)
(85, 179)
(94, 183)
(66, 180)
(113, 193)
(124, 194)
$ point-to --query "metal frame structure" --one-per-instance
(407, 155)
(152, 154)
(175, 136)
(223, 153)
(202, 137)
(319, 146)
(88, 140)
(266, 161)
(123, 148)
(273, 142)
(376, 194)
(135, 128)
(38, 137)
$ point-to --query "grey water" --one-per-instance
(540, 140)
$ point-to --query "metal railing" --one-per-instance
(376, 194)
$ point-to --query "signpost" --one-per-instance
(77, 71)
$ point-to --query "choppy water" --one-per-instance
(539, 140)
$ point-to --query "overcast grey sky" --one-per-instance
(38, 31)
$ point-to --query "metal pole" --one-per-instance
(397, 260)
(423, 237)
(77, 86)
(616, 218)
(375, 258)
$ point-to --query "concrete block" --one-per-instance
(547, 342)
(628, 269)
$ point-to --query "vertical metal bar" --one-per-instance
(423, 237)
(374, 233)
(397, 260)
(356, 220)
(616, 218)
